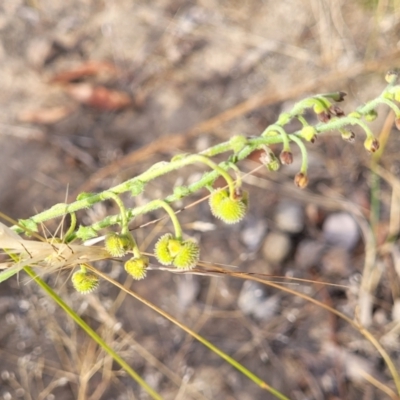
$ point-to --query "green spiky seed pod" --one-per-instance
(371, 144)
(309, 133)
(371, 116)
(227, 209)
(137, 267)
(188, 255)
(183, 254)
(118, 244)
(161, 250)
(85, 282)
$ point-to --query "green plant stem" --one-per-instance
(163, 168)
(391, 105)
(304, 154)
(282, 132)
(79, 321)
(122, 209)
(172, 215)
(205, 160)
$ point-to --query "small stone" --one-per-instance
(253, 233)
(336, 261)
(188, 288)
(309, 253)
(253, 301)
(276, 248)
(340, 229)
(289, 217)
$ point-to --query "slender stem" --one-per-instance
(205, 160)
(284, 135)
(391, 105)
(304, 154)
(123, 214)
(172, 215)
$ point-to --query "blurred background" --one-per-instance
(94, 92)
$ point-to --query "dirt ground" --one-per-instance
(94, 92)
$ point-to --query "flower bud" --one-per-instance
(286, 157)
(348, 135)
(354, 114)
(137, 267)
(371, 144)
(336, 111)
(118, 244)
(227, 209)
(371, 115)
(84, 282)
(309, 133)
(392, 76)
(324, 116)
(301, 180)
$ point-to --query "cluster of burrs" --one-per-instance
(172, 249)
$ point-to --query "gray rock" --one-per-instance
(309, 253)
(340, 229)
(253, 301)
(253, 233)
(188, 288)
(336, 261)
(277, 246)
(289, 217)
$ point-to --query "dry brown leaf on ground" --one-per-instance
(46, 116)
(98, 96)
(88, 68)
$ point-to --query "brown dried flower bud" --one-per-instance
(301, 180)
(336, 111)
(286, 157)
(324, 116)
